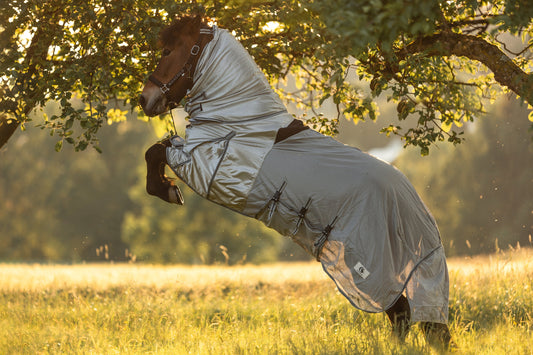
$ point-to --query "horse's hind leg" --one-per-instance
(400, 317)
(437, 334)
(157, 184)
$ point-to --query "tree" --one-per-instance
(438, 60)
(56, 49)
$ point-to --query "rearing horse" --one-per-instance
(358, 216)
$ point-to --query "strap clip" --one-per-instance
(319, 243)
(195, 49)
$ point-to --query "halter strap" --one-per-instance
(189, 66)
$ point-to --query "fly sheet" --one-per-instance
(359, 216)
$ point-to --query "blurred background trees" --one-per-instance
(66, 206)
(63, 206)
(481, 192)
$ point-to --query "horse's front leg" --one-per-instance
(157, 183)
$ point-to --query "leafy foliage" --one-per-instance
(438, 60)
(96, 50)
(403, 49)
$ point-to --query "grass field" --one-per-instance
(271, 309)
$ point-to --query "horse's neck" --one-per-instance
(228, 76)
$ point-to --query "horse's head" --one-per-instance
(168, 84)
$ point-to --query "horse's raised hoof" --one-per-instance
(174, 195)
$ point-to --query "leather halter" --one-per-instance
(189, 67)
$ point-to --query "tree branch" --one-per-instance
(506, 72)
(475, 22)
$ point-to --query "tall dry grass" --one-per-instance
(268, 309)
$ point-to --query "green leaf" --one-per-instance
(59, 146)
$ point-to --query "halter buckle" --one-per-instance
(164, 88)
(195, 49)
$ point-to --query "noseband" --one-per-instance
(189, 67)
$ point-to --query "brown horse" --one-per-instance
(184, 46)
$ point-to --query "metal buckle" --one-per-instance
(195, 49)
(164, 88)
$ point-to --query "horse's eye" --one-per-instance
(166, 52)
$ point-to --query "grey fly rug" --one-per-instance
(359, 216)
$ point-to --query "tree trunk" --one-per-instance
(506, 72)
(7, 128)
(37, 49)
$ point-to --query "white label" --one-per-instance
(361, 270)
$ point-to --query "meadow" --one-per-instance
(289, 308)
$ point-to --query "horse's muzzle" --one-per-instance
(142, 101)
(153, 102)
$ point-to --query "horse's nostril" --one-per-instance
(142, 101)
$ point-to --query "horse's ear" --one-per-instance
(196, 23)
